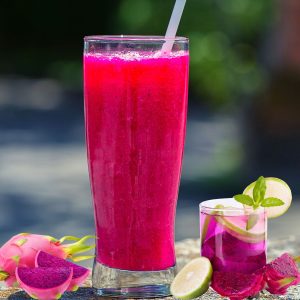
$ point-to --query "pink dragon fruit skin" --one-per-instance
(279, 287)
(9, 260)
(280, 274)
(282, 267)
(21, 250)
(26, 247)
(44, 283)
(80, 274)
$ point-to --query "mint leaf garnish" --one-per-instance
(269, 202)
(257, 200)
(247, 200)
(244, 199)
(259, 190)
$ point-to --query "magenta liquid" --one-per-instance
(231, 249)
(135, 114)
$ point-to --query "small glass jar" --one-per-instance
(233, 238)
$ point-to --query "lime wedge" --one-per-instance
(239, 228)
(207, 222)
(193, 280)
(275, 188)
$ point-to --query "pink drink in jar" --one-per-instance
(232, 237)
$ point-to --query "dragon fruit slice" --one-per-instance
(44, 283)
(44, 259)
(281, 273)
(21, 250)
(282, 267)
(280, 287)
(237, 286)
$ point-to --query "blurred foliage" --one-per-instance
(224, 40)
(45, 38)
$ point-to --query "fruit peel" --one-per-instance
(21, 250)
(44, 283)
(281, 273)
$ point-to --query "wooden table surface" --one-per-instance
(185, 251)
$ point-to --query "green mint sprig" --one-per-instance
(258, 196)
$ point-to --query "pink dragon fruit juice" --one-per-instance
(135, 117)
(233, 238)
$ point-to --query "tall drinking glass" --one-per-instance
(135, 118)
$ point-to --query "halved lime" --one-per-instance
(193, 280)
(275, 188)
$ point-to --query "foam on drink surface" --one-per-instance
(135, 55)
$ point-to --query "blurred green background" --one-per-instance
(244, 104)
(45, 39)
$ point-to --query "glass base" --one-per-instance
(110, 282)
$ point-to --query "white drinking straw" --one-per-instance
(173, 25)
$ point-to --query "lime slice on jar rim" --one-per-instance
(275, 188)
(193, 280)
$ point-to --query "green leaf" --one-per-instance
(84, 257)
(252, 221)
(16, 259)
(244, 199)
(21, 242)
(3, 275)
(269, 202)
(259, 190)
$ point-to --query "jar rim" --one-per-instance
(133, 38)
(230, 206)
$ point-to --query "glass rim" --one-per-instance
(133, 38)
(203, 206)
